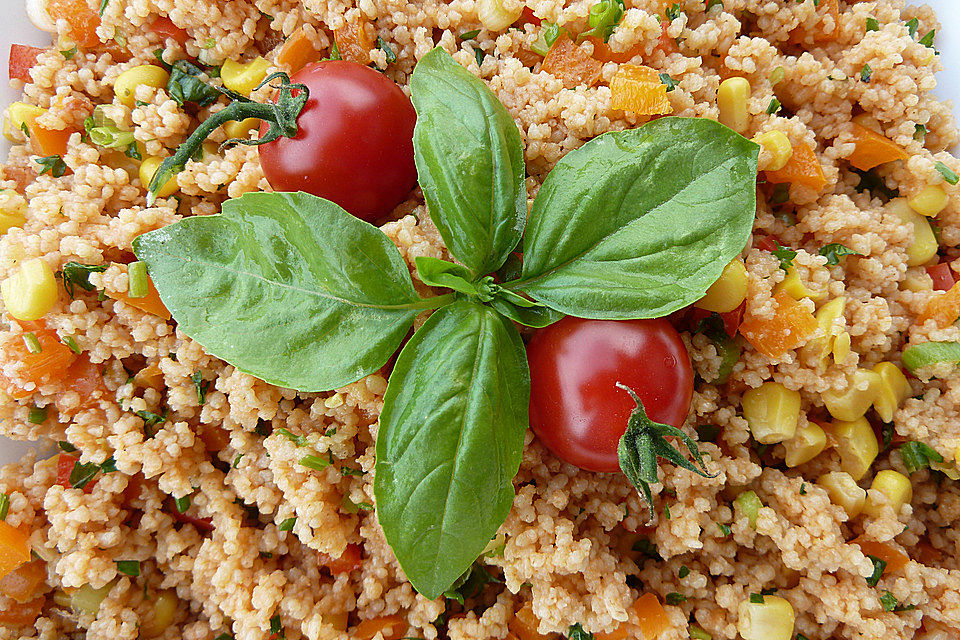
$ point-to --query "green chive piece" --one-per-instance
(778, 75)
(948, 174)
(137, 277)
(287, 525)
(4, 506)
(873, 24)
(300, 441)
(32, 344)
(37, 415)
(128, 567)
(773, 107)
(696, 633)
(314, 462)
(71, 342)
(182, 504)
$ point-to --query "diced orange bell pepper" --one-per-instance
(151, 303)
(353, 42)
(391, 627)
(928, 554)
(49, 365)
(86, 378)
(165, 28)
(214, 438)
(83, 20)
(349, 560)
(14, 549)
(944, 310)
(895, 559)
(22, 59)
(603, 52)
(527, 17)
(297, 52)
(571, 64)
(873, 149)
(789, 328)
(651, 617)
(22, 615)
(22, 584)
(524, 624)
(667, 44)
(44, 141)
(827, 10)
(638, 89)
(803, 168)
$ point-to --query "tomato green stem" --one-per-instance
(281, 116)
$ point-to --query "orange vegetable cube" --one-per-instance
(151, 303)
(638, 89)
(603, 52)
(165, 28)
(297, 51)
(354, 42)
(667, 44)
(83, 20)
(392, 627)
(651, 617)
(803, 168)
(895, 559)
(524, 624)
(49, 365)
(23, 583)
(788, 329)
(571, 64)
(46, 142)
(18, 615)
(873, 149)
(14, 549)
(22, 58)
(944, 310)
(349, 560)
(828, 24)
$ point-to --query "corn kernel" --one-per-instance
(841, 347)
(241, 129)
(844, 492)
(851, 403)
(729, 291)
(924, 246)
(918, 282)
(930, 201)
(772, 619)
(86, 600)
(164, 609)
(778, 147)
(148, 168)
(895, 487)
(494, 16)
(125, 86)
(244, 77)
(30, 292)
(857, 445)
(793, 286)
(18, 115)
(732, 99)
(13, 210)
(772, 412)
(894, 389)
(827, 316)
(809, 442)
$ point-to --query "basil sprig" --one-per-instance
(294, 290)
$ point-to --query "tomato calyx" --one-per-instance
(281, 116)
(644, 441)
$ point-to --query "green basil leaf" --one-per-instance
(470, 160)
(639, 223)
(185, 86)
(450, 442)
(537, 316)
(285, 286)
(927, 353)
(435, 272)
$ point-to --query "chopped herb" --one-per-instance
(713, 3)
(604, 18)
(350, 506)
(469, 35)
(549, 33)
(66, 447)
(69, 53)
(71, 342)
(185, 86)
(577, 632)
(82, 474)
(236, 461)
(287, 525)
(873, 24)
(674, 598)
(276, 628)
(350, 471)
(886, 434)
(32, 344)
(201, 386)
(918, 455)
(780, 195)
(888, 601)
(133, 151)
(109, 465)
(870, 181)
(785, 255)
(756, 598)
(75, 274)
(647, 548)
(927, 39)
(948, 174)
(778, 75)
(673, 12)
(332, 431)
(128, 567)
(803, 489)
(149, 418)
(103, 6)
(773, 107)
(834, 251)
(670, 82)
(479, 55)
(684, 572)
(666, 511)
(696, 633)
(920, 133)
(913, 26)
(865, 73)
(387, 50)
(314, 462)
(182, 504)
(262, 429)
(708, 432)
(37, 415)
(299, 440)
(878, 567)
(724, 529)
(4, 506)
(25, 129)
(54, 164)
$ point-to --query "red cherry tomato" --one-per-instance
(577, 410)
(355, 141)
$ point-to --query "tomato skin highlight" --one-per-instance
(575, 407)
(355, 141)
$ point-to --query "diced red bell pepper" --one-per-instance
(527, 16)
(766, 243)
(203, 525)
(349, 560)
(22, 59)
(65, 465)
(943, 278)
(164, 27)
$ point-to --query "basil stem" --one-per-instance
(281, 116)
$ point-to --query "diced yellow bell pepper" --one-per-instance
(857, 445)
(929, 201)
(894, 389)
(809, 442)
(863, 386)
(924, 246)
(13, 210)
(844, 492)
(728, 292)
(794, 287)
(772, 412)
(244, 77)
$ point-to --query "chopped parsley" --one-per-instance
(128, 567)
(684, 572)
(670, 82)
(469, 35)
(37, 415)
(577, 632)
(276, 628)
(82, 474)
(182, 504)
(866, 73)
(75, 274)
(673, 11)
(350, 471)
(150, 419)
(948, 174)
(878, 568)
(917, 455)
(803, 489)
(185, 86)
(387, 50)
(52, 164)
(287, 525)
(66, 447)
(299, 440)
(913, 26)
(674, 598)
(834, 251)
(479, 55)
(785, 255)
(201, 386)
(888, 601)
(773, 107)
(724, 529)
(873, 24)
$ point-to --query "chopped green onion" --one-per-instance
(925, 354)
(878, 567)
(696, 633)
(71, 342)
(750, 504)
(300, 441)
(873, 24)
(129, 567)
(670, 82)
(549, 33)
(920, 133)
(918, 455)
(888, 601)
(756, 598)
(182, 504)
(37, 415)
(287, 525)
(350, 506)
(109, 465)
(913, 25)
(778, 75)
(773, 107)
(31, 343)
(314, 462)
(137, 280)
(4, 506)
(948, 174)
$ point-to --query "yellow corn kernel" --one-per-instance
(793, 286)
(30, 292)
(13, 210)
(857, 445)
(19, 114)
(827, 316)
(930, 201)
(241, 129)
(809, 442)
(924, 246)
(729, 291)
(125, 86)
(894, 389)
(896, 488)
(851, 403)
(772, 412)
(844, 492)
(148, 168)
(771, 619)
(779, 148)
(338, 621)
(164, 609)
(87, 600)
(244, 77)
(732, 97)
(918, 282)
(494, 16)
(841, 347)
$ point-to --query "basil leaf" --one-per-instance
(450, 442)
(470, 160)
(927, 353)
(184, 85)
(639, 223)
(435, 272)
(536, 316)
(285, 286)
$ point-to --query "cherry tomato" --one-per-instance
(577, 410)
(355, 141)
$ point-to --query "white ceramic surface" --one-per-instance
(14, 27)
